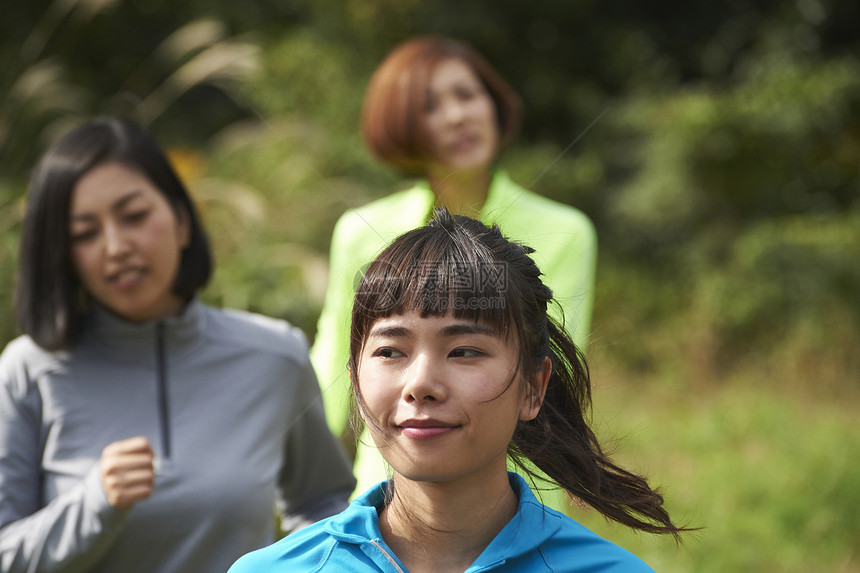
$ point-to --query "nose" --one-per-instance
(423, 382)
(116, 243)
(454, 111)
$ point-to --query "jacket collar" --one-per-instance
(501, 196)
(360, 521)
(128, 340)
(532, 525)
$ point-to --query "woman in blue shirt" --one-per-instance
(457, 369)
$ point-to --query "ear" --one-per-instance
(536, 390)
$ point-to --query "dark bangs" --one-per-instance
(436, 270)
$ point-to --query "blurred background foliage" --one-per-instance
(716, 147)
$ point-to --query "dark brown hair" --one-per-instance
(48, 293)
(459, 265)
(397, 95)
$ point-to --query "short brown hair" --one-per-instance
(397, 94)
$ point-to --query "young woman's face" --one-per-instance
(441, 389)
(126, 242)
(459, 119)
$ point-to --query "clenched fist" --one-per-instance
(127, 472)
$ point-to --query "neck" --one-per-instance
(461, 192)
(444, 526)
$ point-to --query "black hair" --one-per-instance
(458, 265)
(49, 299)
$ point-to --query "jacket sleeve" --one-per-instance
(316, 479)
(68, 534)
(330, 351)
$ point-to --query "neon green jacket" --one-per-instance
(565, 246)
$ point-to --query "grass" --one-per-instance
(772, 476)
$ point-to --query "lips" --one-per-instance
(464, 143)
(427, 428)
(126, 278)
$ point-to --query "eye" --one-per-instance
(465, 353)
(465, 93)
(387, 352)
(136, 216)
(430, 104)
(83, 236)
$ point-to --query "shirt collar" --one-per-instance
(533, 524)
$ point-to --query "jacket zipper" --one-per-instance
(161, 391)
(388, 556)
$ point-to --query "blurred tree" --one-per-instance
(714, 118)
(63, 61)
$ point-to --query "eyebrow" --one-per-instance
(450, 330)
(115, 206)
(389, 332)
(467, 328)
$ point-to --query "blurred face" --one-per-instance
(459, 119)
(126, 242)
(441, 390)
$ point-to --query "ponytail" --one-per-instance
(560, 443)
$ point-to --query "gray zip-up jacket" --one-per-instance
(229, 397)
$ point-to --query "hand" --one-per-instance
(127, 472)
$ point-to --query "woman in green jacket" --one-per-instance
(436, 109)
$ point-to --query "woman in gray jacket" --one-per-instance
(141, 430)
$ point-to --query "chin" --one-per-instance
(426, 475)
(475, 162)
(424, 469)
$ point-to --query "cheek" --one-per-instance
(484, 110)
(167, 226)
(489, 385)
(83, 262)
(488, 115)
(500, 403)
(376, 390)
(431, 131)
(164, 238)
